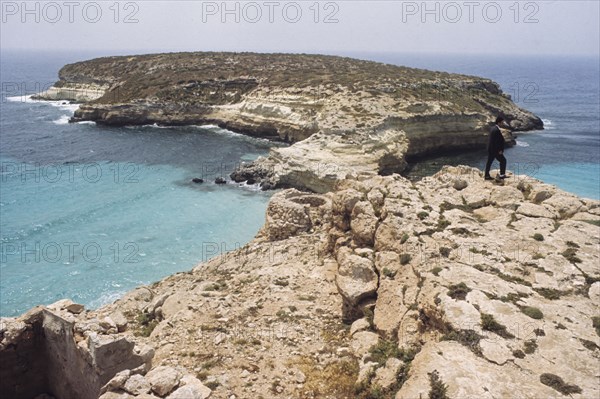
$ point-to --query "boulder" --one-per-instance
(117, 382)
(359, 325)
(74, 308)
(363, 223)
(108, 325)
(60, 305)
(191, 392)
(389, 234)
(377, 198)
(362, 342)
(345, 200)
(540, 194)
(137, 385)
(163, 379)
(192, 388)
(505, 196)
(106, 350)
(120, 320)
(356, 279)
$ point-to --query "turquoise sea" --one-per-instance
(90, 212)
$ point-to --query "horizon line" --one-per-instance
(142, 51)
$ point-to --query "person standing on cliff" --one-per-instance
(495, 149)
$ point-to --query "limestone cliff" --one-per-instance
(451, 287)
(345, 116)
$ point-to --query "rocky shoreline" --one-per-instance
(451, 286)
(361, 284)
(342, 116)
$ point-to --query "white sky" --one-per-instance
(555, 27)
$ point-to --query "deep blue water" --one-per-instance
(90, 212)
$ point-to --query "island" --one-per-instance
(341, 115)
(361, 283)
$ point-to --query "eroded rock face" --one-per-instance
(345, 116)
(485, 288)
(78, 92)
(465, 260)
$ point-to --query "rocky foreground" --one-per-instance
(451, 287)
(342, 115)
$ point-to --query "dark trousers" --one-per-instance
(500, 158)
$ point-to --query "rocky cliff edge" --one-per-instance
(451, 287)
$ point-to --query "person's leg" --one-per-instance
(488, 164)
(502, 159)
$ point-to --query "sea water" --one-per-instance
(90, 212)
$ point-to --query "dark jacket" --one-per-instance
(496, 141)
